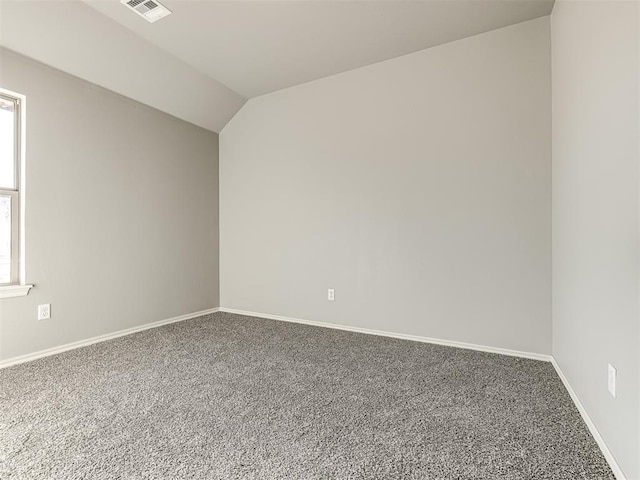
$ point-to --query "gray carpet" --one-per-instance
(233, 397)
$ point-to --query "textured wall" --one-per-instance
(419, 188)
(595, 213)
(122, 212)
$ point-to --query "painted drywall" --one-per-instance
(418, 188)
(121, 212)
(260, 47)
(595, 213)
(75, 38)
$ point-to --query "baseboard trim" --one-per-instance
(83, 343)
(617, 471)
(402, 336)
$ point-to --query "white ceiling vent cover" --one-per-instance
(150, 10)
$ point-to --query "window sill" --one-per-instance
(14, 291)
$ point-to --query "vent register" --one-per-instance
(150, 10)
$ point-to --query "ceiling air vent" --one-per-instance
(150, 10)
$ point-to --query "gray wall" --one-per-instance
(419, 188)
(122, 212)
(595, 213)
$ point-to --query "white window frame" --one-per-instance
(17, 286)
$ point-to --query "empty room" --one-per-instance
(320, 239)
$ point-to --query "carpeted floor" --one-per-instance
(233, 397)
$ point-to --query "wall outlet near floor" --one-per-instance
(331, 295)
(44, 311)
(611, 384)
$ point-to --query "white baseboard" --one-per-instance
(101, 338)
(470, 346)
(415, 338)
(617, 471)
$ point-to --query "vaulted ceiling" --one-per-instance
(202, 62)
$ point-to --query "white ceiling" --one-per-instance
(255, 47)
(74, 38)
(251, 47)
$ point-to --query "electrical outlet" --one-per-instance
(611, 384)
(44, 311)
(331, 296)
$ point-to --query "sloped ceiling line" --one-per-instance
(205, 60)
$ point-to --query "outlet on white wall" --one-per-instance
(331, 296)
(611, 383)
(44, 311)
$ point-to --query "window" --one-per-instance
(11, 199)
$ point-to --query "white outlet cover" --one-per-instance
(611, 381)
(331, 296)
(44, 311)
